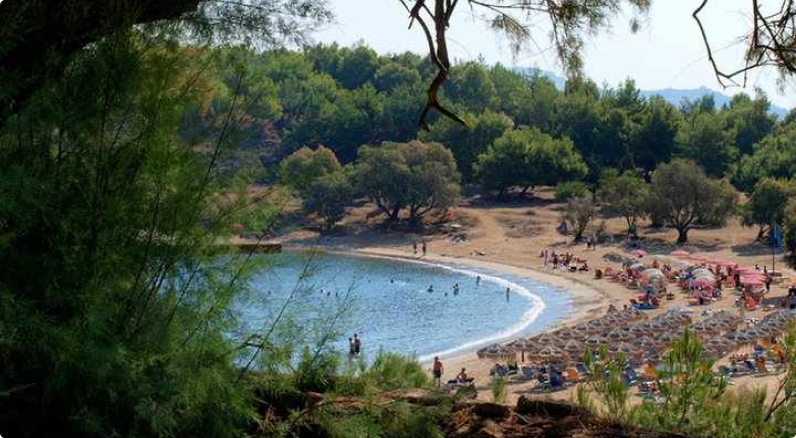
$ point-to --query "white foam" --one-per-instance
(538, 305)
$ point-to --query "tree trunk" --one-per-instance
(682, 235)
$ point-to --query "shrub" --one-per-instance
(572, 189)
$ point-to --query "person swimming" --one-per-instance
(430, 289)
(456, 289)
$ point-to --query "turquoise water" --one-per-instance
(388, 304)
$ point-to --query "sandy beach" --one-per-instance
(510, 238)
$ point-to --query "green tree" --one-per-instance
(467, 142)
(528, 158)
(773, 157)
(416, 176)
(304, 166)
(114, 309)
(702, 139)
(748, 121)
(789, 228)
(651, 133)
(328, 195)
(471, 86)
(578, 213)
(625, 196)
(766, 205)
(682, 196)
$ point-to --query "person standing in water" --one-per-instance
(456, 289)
(478, 280)
(508, 291)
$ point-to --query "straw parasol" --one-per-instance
(615, 336)
(550, 354)
(668, 337)
(594, 341)
(574, 347)
(525, 344)
(497, 351)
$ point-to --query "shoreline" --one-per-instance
(587, 302)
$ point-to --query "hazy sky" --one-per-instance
(666, 53)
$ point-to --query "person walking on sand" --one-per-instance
(424, 248)
(414, 247)
(437, 371)
(546, 255)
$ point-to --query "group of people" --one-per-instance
(461, 379)
(354, 347)
(564, 261)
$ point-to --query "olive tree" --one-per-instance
(304, 166)
(682, 197)
(328, 196)
(578, 214)
(415, 176)
(624, 196)
(766, 205)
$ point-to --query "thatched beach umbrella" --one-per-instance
(618, 336)
(574, 348)
(668, 337)
(497, 351)
(525, 344)
(594, 342)
(550, 354)
(565, 334)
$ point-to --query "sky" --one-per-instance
(667, 52)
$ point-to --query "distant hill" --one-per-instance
(672, 95)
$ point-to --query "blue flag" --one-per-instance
(776, 237)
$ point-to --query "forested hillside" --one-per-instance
(346, 97)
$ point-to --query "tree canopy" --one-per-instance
(683, 196)
(415, 176)
(527, 158)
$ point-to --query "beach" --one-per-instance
(510, 239)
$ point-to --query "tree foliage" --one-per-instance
(625, 196)
(328, 195)
(527, 158)
(682, 196)
(766, 205)
(304, 166)
(416, 176)
(578, 214)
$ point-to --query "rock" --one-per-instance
(491, 410)
(546, 408)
